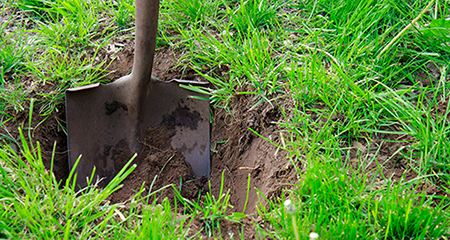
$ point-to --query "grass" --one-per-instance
(343, 73)
(211, 210)
(339, 205)
(35, 206)
(12, 53)
(253, 15)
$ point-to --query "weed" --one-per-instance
(191, 12)
(211, 209)
(123, 11)
(253, 15)
(12, 57)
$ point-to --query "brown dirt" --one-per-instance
(48, 131)
(243, 154)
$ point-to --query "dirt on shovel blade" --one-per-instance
(160, 164)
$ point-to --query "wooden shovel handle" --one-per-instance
(145, 43)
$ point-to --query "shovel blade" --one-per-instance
(102, 124)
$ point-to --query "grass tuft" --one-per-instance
(251, 15)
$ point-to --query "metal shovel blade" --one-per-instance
(102, 122)
(107, 121)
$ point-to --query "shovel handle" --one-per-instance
(145, 43)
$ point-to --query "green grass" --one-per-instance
(35, 206)
(12, 52)
(341, 72)
(122, 12)
(253, 15)
(339, 204)
(210, 210)
(192, 13)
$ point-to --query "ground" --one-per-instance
(267, 142)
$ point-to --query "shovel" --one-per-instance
(106, 119)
